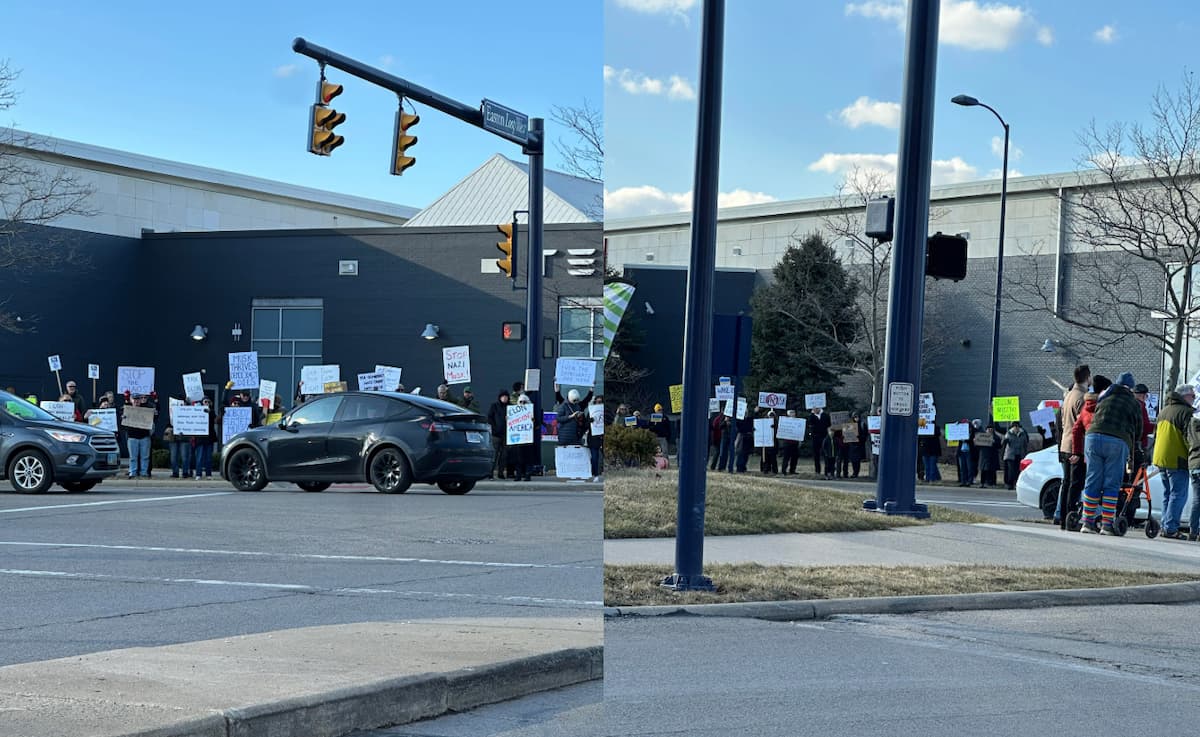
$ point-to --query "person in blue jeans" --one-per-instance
(1194, 472)
(1107, 446)
(1171, 450)
(137, 440)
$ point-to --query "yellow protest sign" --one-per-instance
(677, 398)
(1006, 409)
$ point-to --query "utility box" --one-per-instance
(881, 216)
(946, 257)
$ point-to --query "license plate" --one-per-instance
(114, 459)
(474, 437)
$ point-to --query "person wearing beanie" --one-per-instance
(1141, 393)
(498, 419)
(1108, 445)
(661, 428)
(571, 420)
(468, 400)
(1171, 449)
(1072, 483)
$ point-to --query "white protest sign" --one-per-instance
(926, 425)
(764, 432)
(1152, 406)
(55, 363)
(729, 408)
(925, 405)
(572, 462)
(266, 390)
(1042, 417)
(243, 370)
(372, 382)
(874, 423)
(456, 364)
(792, 428)
(193, 387)
(724, 392)
(314, 378)
(191, 421)
(597, 413)
(391, 377)
(772, 400)
(236, 420)
(741, 408)
(520, 424)
(812, 401)
(575, 372)
(958, 431)
(93, 371)
(137, 380)
(714, 405)
(61, 410)
(173, 402)
(105, 419)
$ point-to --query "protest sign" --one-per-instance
(630, 422)
(958, 431)
(839, 418)
(926, 425)
(725, 380)
(274, 418)
(137, 380)
(1152, 406)
(724, 392)
(93, 371)
(391, 377)
(266, 390)
(550, 427)
(173, 402)
(520, 424)
(55, 363)
(714, 405)
(792, 428)
(984, 439)
(764, 432)
(139, 418)
(61, 410)
(243, 370)
(812, 401)
(925, 404)
(656, 417)
(236, 420)
(742, 406)
(193, 387)
(456, 364)
(314, 378)
(572, 462)
(596, 411)
(372, 382)
(874, 423)
(1006, 409)
(105, 419)
(1054, 403)
(676, 398)
(575, 372)
(333, 387)
(772, 400)
(533, 380)
(1042, 417)
(850, 432)
(190, 421)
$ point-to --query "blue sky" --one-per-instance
(217, 84)
(811, 89)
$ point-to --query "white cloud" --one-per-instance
(386, 61)
(650, 200)
(943, 171)
(655, 7)
(1014, 153)
(865, 111)
(992, 26)
(286, 70)
(995, 174)
(636, 83)
(1106, 35)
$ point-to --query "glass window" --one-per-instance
(266, 324)
(302, 323)
(366, 408)
(307, 348)
(581, 327)
(265, 347)
(316, 412)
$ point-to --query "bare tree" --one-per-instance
(584, 155)
(32, 194)
(1135, 222)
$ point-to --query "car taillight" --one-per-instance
(434, 426)
(1025, 464)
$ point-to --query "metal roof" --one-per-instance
(489, 195)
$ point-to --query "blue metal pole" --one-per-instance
(533, 297)
(999, 272)
(697, 341)
(896, 488)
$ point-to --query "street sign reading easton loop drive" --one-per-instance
(505, 121)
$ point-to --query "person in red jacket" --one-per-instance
(1077, 433)
(714, 440)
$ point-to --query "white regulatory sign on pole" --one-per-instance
(900, 399)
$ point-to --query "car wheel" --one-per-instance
(77, 486)
(313, 486)
(30, 472)
(457, 488)
(1048, 500)
(389, 472)
(246, 471)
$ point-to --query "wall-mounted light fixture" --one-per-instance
(431, 332)
(199, 333)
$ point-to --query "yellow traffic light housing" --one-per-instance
(506, 245)
(329, 90)
(402, 140)
(323, 119)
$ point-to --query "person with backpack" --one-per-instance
(1171, 449)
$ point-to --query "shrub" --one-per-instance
(629, 446)
(160, 458)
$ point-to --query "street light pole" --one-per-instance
(968, 101)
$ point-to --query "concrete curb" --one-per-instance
(791, 611)
(397, 701)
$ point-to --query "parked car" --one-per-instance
(37, 449)
(387, 439)
(1041, 477)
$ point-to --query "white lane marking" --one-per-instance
(116, 501)
(303, 588)
(304, 556)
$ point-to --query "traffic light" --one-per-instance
(946, 257)
(402, 140)
(323, 119)
(512, 331)
(508, 246)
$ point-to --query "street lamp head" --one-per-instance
(965, 100)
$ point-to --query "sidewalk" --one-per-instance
(316, 682)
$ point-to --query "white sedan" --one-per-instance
(1041, 476)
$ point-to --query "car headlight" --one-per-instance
(63, 436)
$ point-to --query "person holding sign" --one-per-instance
(818, 424)
(595, 440)
(73, 395)
(571, 420)
(660, 425)
(789, 450)
(522, 456)
(1015, 448)
(988, 443)
(498, 419)
(137, 435)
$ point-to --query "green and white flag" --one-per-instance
(616, 300)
